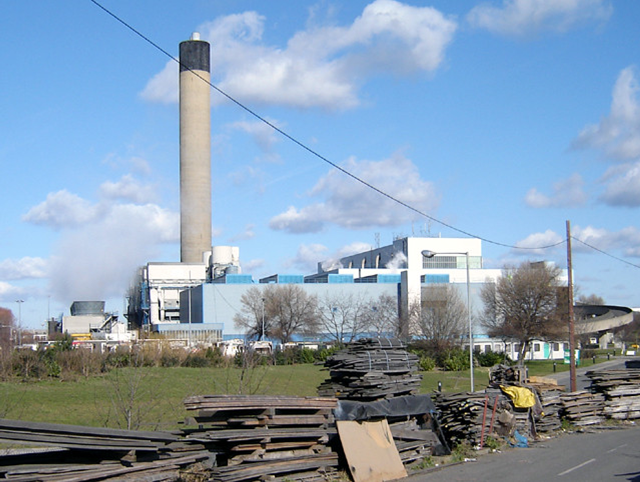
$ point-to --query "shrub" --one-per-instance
(490, 358)
(427, 363)
(454, 359)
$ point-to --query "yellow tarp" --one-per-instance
(520, 396)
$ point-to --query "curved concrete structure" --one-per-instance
(600, 318)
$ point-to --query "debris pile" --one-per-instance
(371, 369)
(254, 436)
(89, 453)
(471, 417)
(412, 420)
(621, 391)
(582, 407)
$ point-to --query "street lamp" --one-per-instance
(262, 336)
(430, 254)
(19, 321)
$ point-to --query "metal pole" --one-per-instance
(470, 324)
(572, 352)
(19, 321)
(262, 336)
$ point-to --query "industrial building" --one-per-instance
(197, 298)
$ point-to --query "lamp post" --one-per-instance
(430, 254)
(262, 336)
(19, 321)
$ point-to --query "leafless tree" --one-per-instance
(442, 318)
(523, 305)
(590, 300)
(382, 318)
(291, 310)
(277, 311)
(253, 317)
(344, 316)
(7, 325)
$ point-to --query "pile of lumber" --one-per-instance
(89, 453)
(582, 407)
(371, 369)
(471, 417)
(621, 391)
(412, 421)
(256, 436)
(548, 392)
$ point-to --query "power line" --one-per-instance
(605, 253)
(313, 152)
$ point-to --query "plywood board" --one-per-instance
(370, 451)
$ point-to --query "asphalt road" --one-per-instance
(611, 454)
(582, 382)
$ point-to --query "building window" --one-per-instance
(451, 262)
(536, 347)
(487, 348)
(556, 347)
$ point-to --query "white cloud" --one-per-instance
(127, 188)
(566, 193)
(248, 233)
(526, 17)
(618, 134)
(627, 241)
(307, 257)
(623, 185)
(99, 260)
(60, 210)
(262, 134)
(350, 204)
(321, 66)
(534, 243)
(24, 268)
(8, 292)
(252, 265)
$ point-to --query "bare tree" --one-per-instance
(291, 310)
(343, 316)
(442, 317)
(7, 325)
(382, 318)
(253, 317)
(523, 305)
(592, 299)
(277, 311)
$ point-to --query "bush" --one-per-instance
(490, 358)
(454, 359)
(427, 363)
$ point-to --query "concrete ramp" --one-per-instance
(599, 318)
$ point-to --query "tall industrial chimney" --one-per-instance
(195, 150)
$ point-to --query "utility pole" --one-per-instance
(572, 346)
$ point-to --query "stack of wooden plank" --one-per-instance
(371, 369)
(257, 436)
(582, 407)
(88, 453)
(471, 417)
(548, 392)
(621, 390)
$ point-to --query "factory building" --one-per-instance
(197, 298)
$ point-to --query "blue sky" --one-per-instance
(501, 119)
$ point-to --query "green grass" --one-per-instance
(157, 394)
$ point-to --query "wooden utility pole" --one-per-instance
(572, 340)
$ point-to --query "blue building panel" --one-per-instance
(435, 279)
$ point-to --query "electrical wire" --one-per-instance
(339, 168)
(605, 253)
(313, 152)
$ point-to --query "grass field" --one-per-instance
(151, 398)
